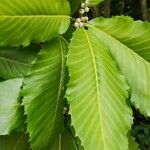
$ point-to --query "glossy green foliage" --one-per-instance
(134, 67)
(26, 21)
(134, 34)
(14, 141)
(64, 141)
(14, 62)
(43, 106)
(10, 111)
(77, 96)
(97, 92)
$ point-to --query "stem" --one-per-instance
(60, 141)
(97, 11)
(144, 10)
(107, 8)
(123, 5)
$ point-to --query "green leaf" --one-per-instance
(64, 141)
(95, 2)
(75, 5)
(43, 95)
(10, 111)
(15, 141)
(134, 34)
(69, 33)
(24, 21)
(132, 144)
(97, 95)
(134, 67)
(14, 62)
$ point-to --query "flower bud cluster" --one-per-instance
(84, 7)
(79, 22)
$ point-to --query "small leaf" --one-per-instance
(43, 95)
(10, 112)
(14, 62)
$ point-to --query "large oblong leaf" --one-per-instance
(10, 112)
(43, 95)
(30, 20)
(134, 67)
(134, 34)
(97, 95)
(14, 62)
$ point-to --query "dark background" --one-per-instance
(137, 9)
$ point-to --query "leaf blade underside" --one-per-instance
(14, 62)
(134, 34)
(24, 21)
(10, 113)
(43, 95)
(132, 66)
(64, 141)
(15, 141)
(97, 95)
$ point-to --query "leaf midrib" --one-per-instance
(35, 16)
(60, 83)
(60, 141)
(97, 82)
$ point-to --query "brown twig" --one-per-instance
(107, 8)
(144, 10)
